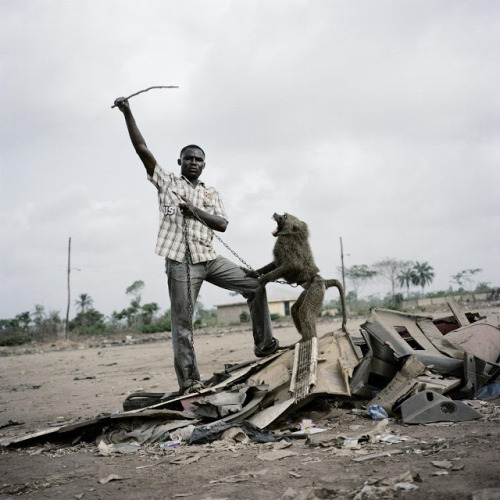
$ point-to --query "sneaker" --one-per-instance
(266, 351)
(193, 389)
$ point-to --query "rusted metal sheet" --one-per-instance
(336, 361)
(479, 339)
(400, 332)
(457, 311)
(442, 343)
(400, 386)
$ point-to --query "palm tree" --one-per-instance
(405, 278)
(84, 302)
(422, 274)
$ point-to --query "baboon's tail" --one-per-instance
(337, 284)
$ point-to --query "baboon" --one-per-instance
(294, 262)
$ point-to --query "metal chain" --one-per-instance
(190, 292)
(281, 282)
(223, 242)
(231, 250)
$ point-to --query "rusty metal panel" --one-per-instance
(457, 311)
(440, 342)
(480, 339)
(400, 332)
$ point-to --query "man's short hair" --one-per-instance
(191, 146)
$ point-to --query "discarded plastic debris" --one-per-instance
(377, 412)
(170, 444)
(490, 391)
(428, 406)
(207, 434)
(307, 432)
(383, 487)
(182, 434)
(391, 438)
(351, 443)
(307, 427)
(405, 486)
(105, 449)
(123, 448)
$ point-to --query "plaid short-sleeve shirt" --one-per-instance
(171, 242)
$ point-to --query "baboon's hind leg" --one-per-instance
(295, 311)
(310, 309)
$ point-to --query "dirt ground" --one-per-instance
(65, 381)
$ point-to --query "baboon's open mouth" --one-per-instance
(280, 221)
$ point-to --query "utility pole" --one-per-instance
(342, 261)
(66, 331)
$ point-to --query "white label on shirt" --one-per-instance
(168, 210)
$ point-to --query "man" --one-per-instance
(189, 212)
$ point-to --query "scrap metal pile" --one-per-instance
(411, 361)
(410, 366)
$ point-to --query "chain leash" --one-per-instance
(189, 290)
(248, 266)
(281, 282)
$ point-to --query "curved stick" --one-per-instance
(149, 88)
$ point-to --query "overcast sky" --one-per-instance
(374, 121)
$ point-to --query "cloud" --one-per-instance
(373, 121)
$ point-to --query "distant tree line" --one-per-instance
(146, 318)
(136, 318)
(401, 275)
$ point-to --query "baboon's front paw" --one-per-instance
(249, 272)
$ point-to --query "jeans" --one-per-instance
(225, 274)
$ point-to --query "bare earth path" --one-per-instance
(52, 386)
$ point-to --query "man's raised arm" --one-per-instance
(135, 136)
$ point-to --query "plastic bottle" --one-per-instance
(377, 412)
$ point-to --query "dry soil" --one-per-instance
(46, 385)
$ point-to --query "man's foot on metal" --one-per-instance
(193, 389)
(268, 350)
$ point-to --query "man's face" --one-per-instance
(192, 163)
